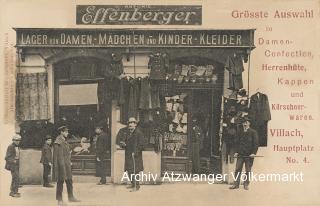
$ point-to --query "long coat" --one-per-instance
(62, 159)
(134, 144)
(10, 157)
(259, 110)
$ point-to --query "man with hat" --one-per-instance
(46, 160)
(12, 164)
(62, 165)
(246, 149)
(101, 153)
(130, 138)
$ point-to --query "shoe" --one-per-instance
(48, 185)
(246, 187)
(60, 203)
(72, 199)
(16, 195)
(234, 187)
(130, 186)
(101, 183)
(135, 189)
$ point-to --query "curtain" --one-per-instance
(32, 97)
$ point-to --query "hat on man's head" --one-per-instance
(48, 137)
(16, 137)
(132, 119)
(63, 128)
(246, 119)
(100, 125)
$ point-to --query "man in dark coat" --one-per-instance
(197, 137)
(131, 139)
(101, 152)
(12, 164)
(46, 160)
(247, 147)
(62, 165)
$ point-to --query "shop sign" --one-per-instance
(133, 38)
(139, 15)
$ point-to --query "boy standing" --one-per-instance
(12, 164)
(46, 160)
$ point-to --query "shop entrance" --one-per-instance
(81, 104)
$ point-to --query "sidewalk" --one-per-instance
(90, 194)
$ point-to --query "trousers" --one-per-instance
(247, 161)
(15, 178)
(46, 173)
(60, 189)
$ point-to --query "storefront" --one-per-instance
(172, 81)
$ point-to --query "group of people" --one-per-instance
(129, 138)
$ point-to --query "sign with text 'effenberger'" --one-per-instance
(139, 15)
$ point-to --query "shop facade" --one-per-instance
(172, 81)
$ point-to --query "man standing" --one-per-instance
(46, 160)
(131, 139)
(197, 142)
(247, 148)
(101, 152)
(62, 165)
(12, 164)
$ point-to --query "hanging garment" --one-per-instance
(124, 95)
(134, 98)
(116, 65)
(235, 67)
(259, 113)
(155, 96)
(145, 94)
(158, 65)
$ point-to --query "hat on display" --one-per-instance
(16, 137)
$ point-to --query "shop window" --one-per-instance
(175, 138)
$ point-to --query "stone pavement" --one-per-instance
(90, 194)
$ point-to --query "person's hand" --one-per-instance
(132, 153)
(252, 155)
(235, 155)
(50, 164)
(98, 159)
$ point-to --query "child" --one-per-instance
(46, 160)
(12, 164)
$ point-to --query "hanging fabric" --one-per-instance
(234, 65)
(32, 96)
(158, 65)
(259, 113)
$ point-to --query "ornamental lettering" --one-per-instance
(155, 14)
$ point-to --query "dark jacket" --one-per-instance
(102, 146)
(134, 144)
(46, 154)
(10, 157)
(247, 143)
(259, 110)
(62, 159)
